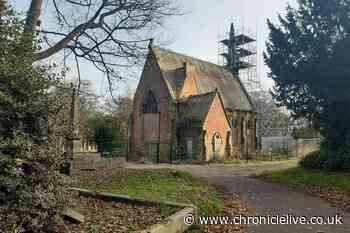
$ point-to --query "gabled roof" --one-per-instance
(208, 78)
(196, 107)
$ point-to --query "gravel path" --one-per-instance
(266, 198)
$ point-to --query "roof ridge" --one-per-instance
(191, 57)
(204, 94)
(210, 76)
(197, 96)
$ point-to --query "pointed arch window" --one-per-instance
(150, 103)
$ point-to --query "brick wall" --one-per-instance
(189, 87)
(145, 127)
(149, 129)
(216, 122)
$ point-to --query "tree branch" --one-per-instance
(111, 34)
(33, 16)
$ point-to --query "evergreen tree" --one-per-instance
(32, 192)
(309, 54)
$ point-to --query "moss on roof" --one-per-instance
(208, 77)
(196, 107)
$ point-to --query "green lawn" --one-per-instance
(158, 185)
(301, 178)
(243, 163)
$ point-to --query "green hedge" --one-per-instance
(326, 160)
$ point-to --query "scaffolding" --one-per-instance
(237, 51)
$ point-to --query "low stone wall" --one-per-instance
(271, 144)
(94, 161)
(172, 224)
(306, 146)
(279, 148)
(271, 156)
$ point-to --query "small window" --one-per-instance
(150, 103)
(217, 142)
(217, 138)
(233, 123)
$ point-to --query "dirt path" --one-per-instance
(266, 198)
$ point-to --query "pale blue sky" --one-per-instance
(197, 33)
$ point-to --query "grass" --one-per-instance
(158, 185)
(302, 178)
(242, 163)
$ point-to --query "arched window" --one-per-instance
(217, 138)
(217, 142)
(150, 104)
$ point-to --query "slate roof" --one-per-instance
(208, 77)
(196, 107)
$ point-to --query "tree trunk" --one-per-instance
(33, 16)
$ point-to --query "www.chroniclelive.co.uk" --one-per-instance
(263, 220)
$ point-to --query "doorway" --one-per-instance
(189, 148)
(217, 144)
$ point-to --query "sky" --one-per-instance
(197, 33)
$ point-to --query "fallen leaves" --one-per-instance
(163, 184)
(111, 217)
(338, 198)
(233, 206)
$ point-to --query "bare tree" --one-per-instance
(270, 117)
(111, 34)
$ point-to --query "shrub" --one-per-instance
(326, 160)
(32, 192)
(314, 160)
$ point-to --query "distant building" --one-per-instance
(187, 108)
